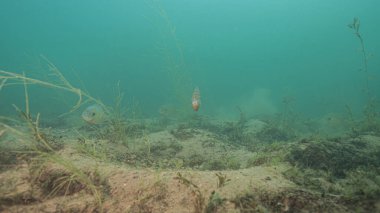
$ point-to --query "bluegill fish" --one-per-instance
(93, 114)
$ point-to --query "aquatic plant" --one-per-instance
(184, 180)
(235, 130)
(222, 179)
(195, 160)
(172, 50)
(351, 122)
(156, 194)
(215, 164)
(183, 132)
(97, 149)
(361, 184)
(64, 182)
(146, 152)
(117, 122)
(215, 203)
(166, 116)
(287, 200)
(359, 188)
(163, 149)
(246, 203)
(199, 199)
(272, 133)
(355, 26)
(41, 148)
(58, 176)
(371, 113)
(121, 121)
(337, 156)
(41, 143)
(269, 154)
(13, 78)
(114, 116)
(12, 130)
(287, 115)
(3, 81)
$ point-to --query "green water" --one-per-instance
(246, 54)
(289, 95)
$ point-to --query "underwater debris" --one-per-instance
(93, 114)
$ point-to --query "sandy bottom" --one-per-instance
(127, 188)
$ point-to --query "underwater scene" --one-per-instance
(204, 106)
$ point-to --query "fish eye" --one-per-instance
(93, 114)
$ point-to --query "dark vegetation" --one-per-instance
(347, 168)
(286, 201)
(336, 156)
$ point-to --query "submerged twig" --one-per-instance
(3, 83)
(355, 26)
(2, 132)
(26, 98)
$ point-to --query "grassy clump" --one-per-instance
(288, 200)
(219, 162)
(182, 132)
(347, 168)
(54, 174)
(150, 198)
(7, 159)
(164, 149)
(360, 188)
(198, 198)
(159, 154)
(215, 203)
(247, 203)
(57, 181)
(272, 134)
(58, 176)
(234, 131)
(268, 154)
(337, 156)
(222, 179)
(360, 185)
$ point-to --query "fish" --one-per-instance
(93, 114)
(196, 99)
